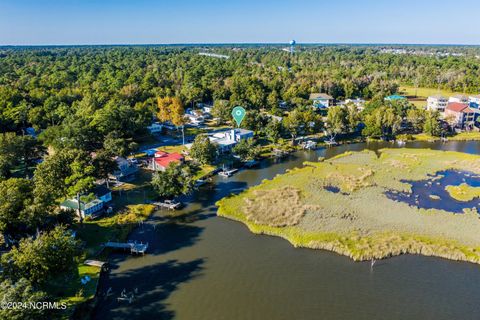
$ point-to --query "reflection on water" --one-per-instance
(200, 266)
(431, 193)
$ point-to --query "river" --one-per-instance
(200, 266)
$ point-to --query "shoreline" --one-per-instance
(336, 243)
(345, 222)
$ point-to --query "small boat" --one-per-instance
(169, 204)
(310, 145)
(251, 163)
(227, 173)
(200, 182)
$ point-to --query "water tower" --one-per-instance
(292, 46)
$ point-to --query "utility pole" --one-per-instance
(183, 134)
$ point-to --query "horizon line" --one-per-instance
(241, 43)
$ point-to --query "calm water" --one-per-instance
(435, 186)
(200, 266)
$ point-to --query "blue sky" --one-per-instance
(213, 21)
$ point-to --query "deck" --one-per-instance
(134, 246)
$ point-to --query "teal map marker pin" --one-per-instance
(238, 114)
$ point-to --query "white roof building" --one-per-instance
(226, 140)
(437, 103)
(459, 98)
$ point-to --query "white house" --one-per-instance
(359, 103)
(226, 140)
(459, 98)
(437, 103)
(206, 108)
(321, 100)
(88, 209)
(127, 169)
(155, 127)
(195, 119)
(92, 207)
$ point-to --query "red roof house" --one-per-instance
(163, 159)
(460, 114)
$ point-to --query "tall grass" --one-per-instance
(360, 221)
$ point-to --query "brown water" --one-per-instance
(200, 266)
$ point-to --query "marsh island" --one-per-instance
(370, 204)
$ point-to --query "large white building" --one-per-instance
(437, 103)
(459, 98)
(226, 140)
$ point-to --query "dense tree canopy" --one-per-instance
(203, 151)
(177, 179)
(50, 255)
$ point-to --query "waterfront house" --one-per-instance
(321, 100)
(226, 140)
(92, 206)
(437, 103)
(127, 170)
(460, 115)
(161, 160)
(459, 98)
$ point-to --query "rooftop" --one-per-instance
(395, 97)
(73, 204)
(315, 96)
(101, 190)
(164, 159)
(458, 107)
(438, 97)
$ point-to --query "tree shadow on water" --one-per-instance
(151, 290)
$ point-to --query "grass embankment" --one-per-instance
(359, 221)
(463, 192)
(463, 136)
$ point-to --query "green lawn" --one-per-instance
(463, 136)
(418, 96)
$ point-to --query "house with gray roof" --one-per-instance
(321, 100)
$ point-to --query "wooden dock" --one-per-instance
(134, 246)
(95, 263)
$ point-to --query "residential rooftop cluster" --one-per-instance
(460, 111)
